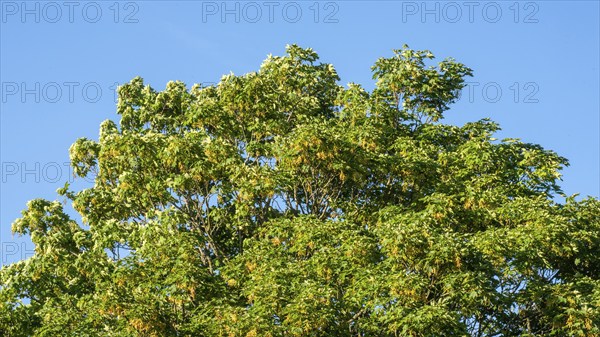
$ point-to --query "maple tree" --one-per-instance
(280, 203)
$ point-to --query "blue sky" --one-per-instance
(536, 66)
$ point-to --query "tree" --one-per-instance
(279, 203)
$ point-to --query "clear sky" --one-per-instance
(536, 66)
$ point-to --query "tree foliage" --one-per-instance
(279, 203)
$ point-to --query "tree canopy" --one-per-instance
(280, 203)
